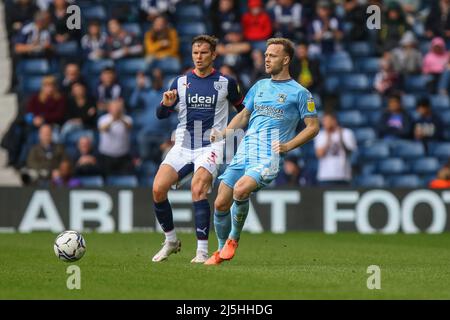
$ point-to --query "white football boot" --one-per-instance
(200, 257)
(168, 248)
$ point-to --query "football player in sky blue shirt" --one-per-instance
(273, 108)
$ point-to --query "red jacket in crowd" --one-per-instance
(257, 27)
(52, 110)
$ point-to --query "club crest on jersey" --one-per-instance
(282, 97)
(218, 85)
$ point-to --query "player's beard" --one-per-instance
(276, 69)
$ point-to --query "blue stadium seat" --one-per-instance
(351, 118)
(364, 135)
(392, 166)
(368, 65)
(188, 13)
(67, 49)
(33, 67)
(405, 181)
(133, 28)
(378, 150)
(408, 149)
(191, 29)
(30, 84)
(91, 181)
(368, 168)
(340, 63)
(93, 12)
(131, 66)
(425, 166)
(370, 181)
(128, 83)
(147, 172)
(360, 49)
(373, 117)
(441, 150)
(445, 117)
(347, 100)
(356, 82)
(440, 102)
(416, 83)
(368, 102)
(122, 181)
(93, 68)
(409, 101)
(332, 84)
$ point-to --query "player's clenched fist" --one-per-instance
(169, 98)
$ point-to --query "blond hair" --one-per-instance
(288, 45)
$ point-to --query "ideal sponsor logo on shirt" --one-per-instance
(198, 101)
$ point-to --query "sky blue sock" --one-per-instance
(239, 212)
(222, 225)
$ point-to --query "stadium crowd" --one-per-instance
(88, 97)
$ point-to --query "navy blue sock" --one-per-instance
(202, 219)
(163, 212)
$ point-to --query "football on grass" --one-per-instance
(69, 246)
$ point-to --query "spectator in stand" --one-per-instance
(114, 147)
(234, 50)
(150, 9)
(428, 126)
(287, 17)
(407, 59)
(256, 23)
(435, 62)
(72, 75)
(144, 95)
(120, 43)
(386, 80)
(93, 43)
(43, 157)
(19, 13)
(438, 20)
(108, 89)
(48, 105)
(325, 29)
(393, 27)
(161, 42)
(334, 146)
(59, 16)
(258, 71)
(63, 176)
(81, 111)
(292, 174)
(444, 81)
(85, 158)
(395, 122)
(442, 180)
(355, 16)
(305, 70)
(224, 14)
(35, 38)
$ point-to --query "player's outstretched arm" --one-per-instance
(311, 130)
(238, 122)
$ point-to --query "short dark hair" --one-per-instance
(397, 96)
(423, 102)
(211, 40)
(288, 45)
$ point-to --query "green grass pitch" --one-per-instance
(266, 266)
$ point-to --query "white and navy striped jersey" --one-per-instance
(202, 104)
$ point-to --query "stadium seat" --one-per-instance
(33, 67)
(355, 82)
(191, 29)
(368, 102)
(189, 13)
(93, 68)
(445, 117)
(370, 181)
(332, 84)
(93, 12)
(30, 84)
(440, 102)
(408, 101)
(91, 181)
(364, 135)
(378, 150)
(408, 149)
(360, 49)
(368, 65)
(405, 181)
(128, 83)
(347, 100)
(67, 49)
(131, 66)
(341, 63)
(351, 118)
(425, 166)
(441, 150)
(392, 166)
(416, 83)
(122, 181)
(373, 117)
(133, 28)
(168, 65)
